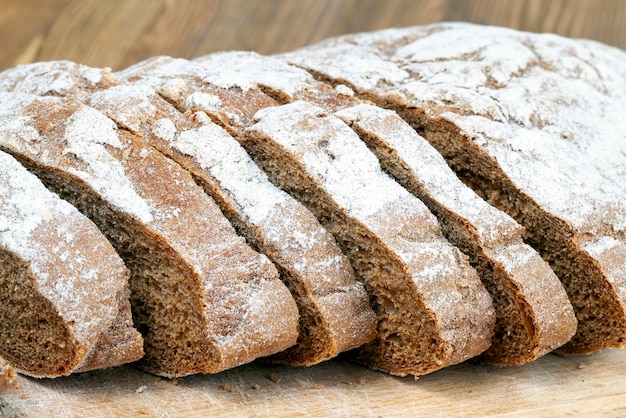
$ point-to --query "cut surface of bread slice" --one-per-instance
(203, 300)
(64, 288)
(533, 314)
(432, 309)
(334, 309)
(532, 123)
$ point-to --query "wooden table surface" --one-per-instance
(118, 33)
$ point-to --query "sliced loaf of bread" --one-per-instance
(534, 315)
(432, 309)
(532, 123)
(64, 299)
(203, 300)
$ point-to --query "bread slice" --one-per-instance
(203, 300)
(522, 119)
(533, 314)
(334, 309)
(8, 379)
(64, 300)
(432, 309)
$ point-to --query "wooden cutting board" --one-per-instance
(553, 385)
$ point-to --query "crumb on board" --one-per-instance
(256, 387)
(141, 389)
(273, 377)
(226, 388)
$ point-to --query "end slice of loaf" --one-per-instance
(432, 309)
(533, 314)
(532, 123)
(203, 300)
(334, 309)
(64, 288)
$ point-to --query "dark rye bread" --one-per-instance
(533, 313)
(64, 300)
(432, 310)
(203, 300)
(533, 123)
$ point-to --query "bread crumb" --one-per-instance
(141, 389)
(273, 377)
(156, 380)
(256, 387)
(226, 388)
(174, 382)
(361, 381)
(348, 382)
(318, 386)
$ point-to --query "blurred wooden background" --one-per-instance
(118, 33)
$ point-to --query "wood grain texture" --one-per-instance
(118, 33)
(551, 386)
